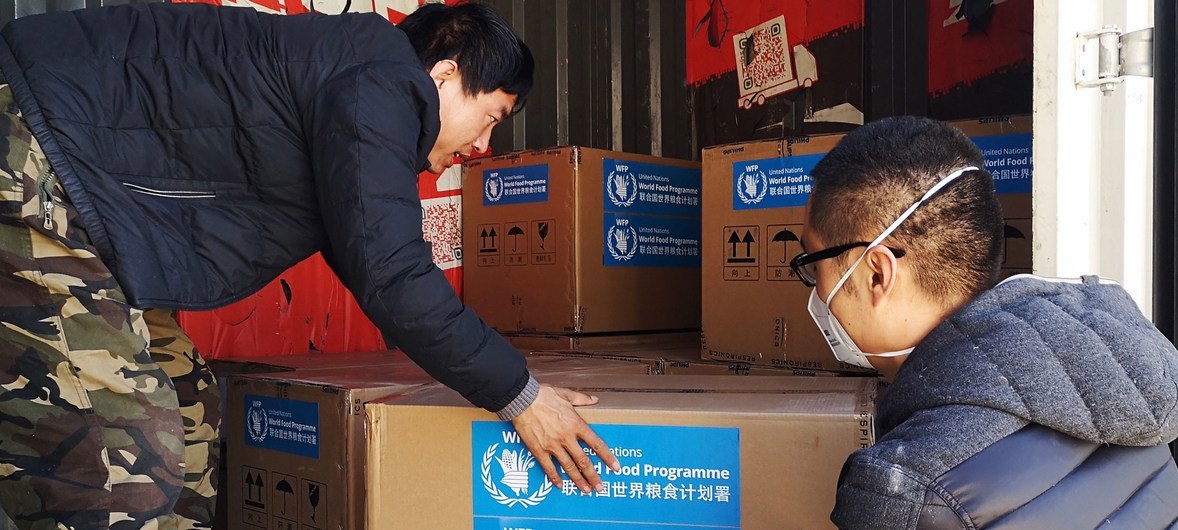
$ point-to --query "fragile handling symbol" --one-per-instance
(543, 231)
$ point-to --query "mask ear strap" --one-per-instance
(892, 228)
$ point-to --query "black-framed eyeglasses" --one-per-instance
(805, 265)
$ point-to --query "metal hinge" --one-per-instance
(1106, 56)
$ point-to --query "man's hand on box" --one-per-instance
(552, 428)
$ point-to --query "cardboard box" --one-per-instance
(327, 402)
(544, 364)
(225, 369)
(1006, 144)
(723, 452)
(687, 362)
(295, 445)
(628, 343)
(577, 240)
(754, 209)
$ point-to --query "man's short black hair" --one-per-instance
(489, 54)
(953, 240)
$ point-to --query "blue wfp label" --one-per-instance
(1008, 159)
(643, 241)
(671, 478)
(773, 182)
(282, 425)
(515, 185)
(637, 187)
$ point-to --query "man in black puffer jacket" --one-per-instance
(162, 157)
(1033, 403)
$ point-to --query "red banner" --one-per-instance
(711, 24)
(965, 46)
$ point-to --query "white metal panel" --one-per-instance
(1093, 154)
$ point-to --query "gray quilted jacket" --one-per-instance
(1038, 405)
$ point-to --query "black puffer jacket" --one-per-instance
(208, 149)
(1038, 405)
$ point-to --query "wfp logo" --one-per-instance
(621, 186)
(493, 187)
(257, 425)
(622, 241)
(752, 185)
(512, 469)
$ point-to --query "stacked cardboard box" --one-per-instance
(755, 196)
(294, 432)
(696, 451)
(581, 242)
(754, 210)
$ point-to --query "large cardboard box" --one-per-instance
(1006, 144)
(754, 209)
(577, 240)
(721, 452)
(305, 428)
(226, 369)
(295, 445)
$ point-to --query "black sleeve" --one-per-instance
(365, 127)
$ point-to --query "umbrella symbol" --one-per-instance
(785, 236)
(515, 232)
(286, 488)
(1008, 233)
(543, 230)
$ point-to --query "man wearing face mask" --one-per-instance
(1029, 403)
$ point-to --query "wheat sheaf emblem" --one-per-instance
(515, 466)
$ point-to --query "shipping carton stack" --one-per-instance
(696, 451)
(754, 308)
(755, 197)
(582, 243)
(295, 437)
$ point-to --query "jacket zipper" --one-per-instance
(45, 194)
(171, 194)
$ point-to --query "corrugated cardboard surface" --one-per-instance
(519, 282)
(339, 391)
(643, 342)
(687, 362)
(756, 312)
(1016, 207)
(754, 309)
(794, 435)
(321, 492)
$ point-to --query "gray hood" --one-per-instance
(1078, 358)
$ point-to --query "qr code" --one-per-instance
(766, 63)
(441, 225)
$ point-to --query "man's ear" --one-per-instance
(884, 273)
(443, 71)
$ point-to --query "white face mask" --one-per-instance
(840, 341)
